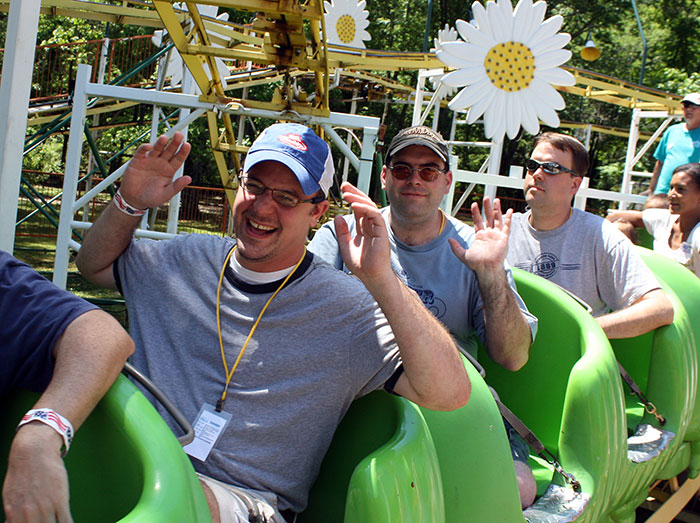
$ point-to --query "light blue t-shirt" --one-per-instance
(678, 146)
(447, 287)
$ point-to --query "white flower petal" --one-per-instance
(547, 94)
(539, 9)
(547, 29)
(524, 22)
(557, 41)
(530, 122)
(556, 76)
(487, 95)
(482, 19)
(471, 34)
(552, 59)
(545, 112)
(157, 37)
(496, 116)
(469, 95)
(464, 76)
(459, 54)
(501, 19)
(207, 10)
(513, 114)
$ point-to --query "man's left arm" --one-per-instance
(434, 375)
(508, 336)
(88, 357)
(649, 312)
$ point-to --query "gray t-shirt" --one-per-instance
(588, 256)
(447, 287)
(321, 343)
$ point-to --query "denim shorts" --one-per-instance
(518, 447)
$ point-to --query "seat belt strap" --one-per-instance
(536, 444)
(648, 405)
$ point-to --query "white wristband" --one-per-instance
(125, 207)
(54, 420)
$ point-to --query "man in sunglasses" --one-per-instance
(680, 144)
(255, 339)
(581, 252)
(458, 273)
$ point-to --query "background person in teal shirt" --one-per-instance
(679, 145)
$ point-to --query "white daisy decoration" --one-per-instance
(346, 21)
(446, 34)
(174, 67)
(507, 63)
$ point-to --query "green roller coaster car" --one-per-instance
(125, 464)
(392, 461)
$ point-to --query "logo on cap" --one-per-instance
(294, 141)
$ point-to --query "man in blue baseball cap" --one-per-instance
(259, 343)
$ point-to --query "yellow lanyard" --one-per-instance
(229, 375)
(442, 222)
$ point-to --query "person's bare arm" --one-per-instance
(509, 347)
(147, 182)
(633, 217)
(89, 356)
(434, 375)
(649, 312)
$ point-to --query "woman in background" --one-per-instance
(675, 230)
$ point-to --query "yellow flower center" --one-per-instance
(510, 66)
(345, 29)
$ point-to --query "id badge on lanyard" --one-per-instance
(208, 428)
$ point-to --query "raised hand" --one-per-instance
(148, 179)
(368, 254)
(490, 246)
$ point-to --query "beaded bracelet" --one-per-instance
(125, 207)
(54, 420)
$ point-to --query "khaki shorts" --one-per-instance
(238, 505)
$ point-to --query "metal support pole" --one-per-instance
(494, 167)
(188, 87)
(644, 42)
(70, 180)
(17, 68)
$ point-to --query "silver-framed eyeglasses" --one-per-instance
(284, 198)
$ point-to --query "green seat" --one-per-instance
(125, 464)
(393, 461)
(569, 394)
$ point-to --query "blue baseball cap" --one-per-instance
(300, 149)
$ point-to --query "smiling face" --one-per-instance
(684, 195)
(550, 191)
(270, 236)
(413, 199)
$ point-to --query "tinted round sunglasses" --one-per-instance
(402, 171)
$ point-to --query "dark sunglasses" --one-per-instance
(403, 171)
(689, 104)
(284, 198)
(548, 167)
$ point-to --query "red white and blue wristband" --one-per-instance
(125, 207)
(54, 420)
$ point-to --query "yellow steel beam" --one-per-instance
(129, 13)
